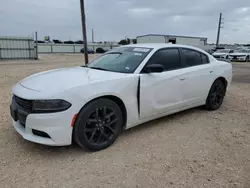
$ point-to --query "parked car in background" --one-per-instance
(240, 55)
(100, 50)
(223, 53)
(90, 51)
(210, 51)
(120, 89)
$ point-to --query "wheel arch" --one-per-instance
(223, 79)
(115, 99)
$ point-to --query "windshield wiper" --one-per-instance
(85, 66)
(99, 68)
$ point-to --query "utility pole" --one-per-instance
(218, 33)
(84, 33)
(93, 40)
(93, 37)
(36, 46)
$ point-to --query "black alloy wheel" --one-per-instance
(247, 58)
(98, 125)
(216, 95)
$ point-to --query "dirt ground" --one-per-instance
(192, 149)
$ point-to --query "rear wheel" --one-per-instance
(216, 95)
(247, 58)
(98, 125)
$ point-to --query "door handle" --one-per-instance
(211, 71)
(182, 79)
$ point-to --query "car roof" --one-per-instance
(161, 45)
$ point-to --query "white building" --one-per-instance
(154, 38)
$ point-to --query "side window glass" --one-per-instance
(204, 58)
(169, 58)
(191, 58)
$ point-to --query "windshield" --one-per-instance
(243, 51)
(123, 59)
(223, 51)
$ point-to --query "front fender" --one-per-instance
(123, 88)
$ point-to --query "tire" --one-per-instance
(227, 57)
(98, 125)
(100, 50)
(247, 59)
(216, 95)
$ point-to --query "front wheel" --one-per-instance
(216, 95)
(98, 125)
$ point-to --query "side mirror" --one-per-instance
(154, 68)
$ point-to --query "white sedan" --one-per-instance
(223, 53)
(122, 88)
(240, 55)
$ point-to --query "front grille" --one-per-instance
(23, 103)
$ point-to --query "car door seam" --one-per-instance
(138, 95)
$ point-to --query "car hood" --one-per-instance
(235, 54)
(222, 54)
(66, 78)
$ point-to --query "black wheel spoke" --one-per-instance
(87, 130)
(109, 115)
(99, 138)
(105, 135)
(213, 102)
(219, 95)
(92, 121)
(97, 112)
(218, 88)
(110, 128)
(104, 111)
(92, 135)
(112, 122)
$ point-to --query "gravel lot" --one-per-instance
(192, 149)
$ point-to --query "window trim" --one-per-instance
(183, 61)
(161, 49)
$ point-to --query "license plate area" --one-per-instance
(18, 115)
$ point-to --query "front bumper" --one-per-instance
(53, 129)
(235, 59)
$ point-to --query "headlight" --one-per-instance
(47, 106)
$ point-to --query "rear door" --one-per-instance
(199, 75)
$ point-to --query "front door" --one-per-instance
(161, 92)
